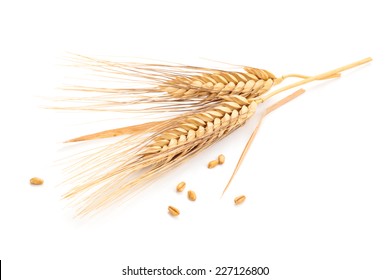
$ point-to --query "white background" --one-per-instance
(316, 179)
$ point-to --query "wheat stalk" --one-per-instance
(153, 148)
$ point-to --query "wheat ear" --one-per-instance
(168, 87)
(171, 144)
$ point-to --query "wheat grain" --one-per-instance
(173, 211)
(221, 159)
(239, 199)
(212, 164)
(36, 181)
(191, 195)
(180, 187)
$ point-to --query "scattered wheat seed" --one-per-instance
(173, 211)
(36, 181)
(180, 187)
(191, 195)
(212, 163)
(221, 159)
(239, 199)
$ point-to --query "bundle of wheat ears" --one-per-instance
(205, 105)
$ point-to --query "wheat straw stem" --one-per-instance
(316, 77)
(306, 77)
(283, 101)
(255, 131)
(326, 75)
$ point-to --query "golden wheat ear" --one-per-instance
(167, 87)
(125, 166)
